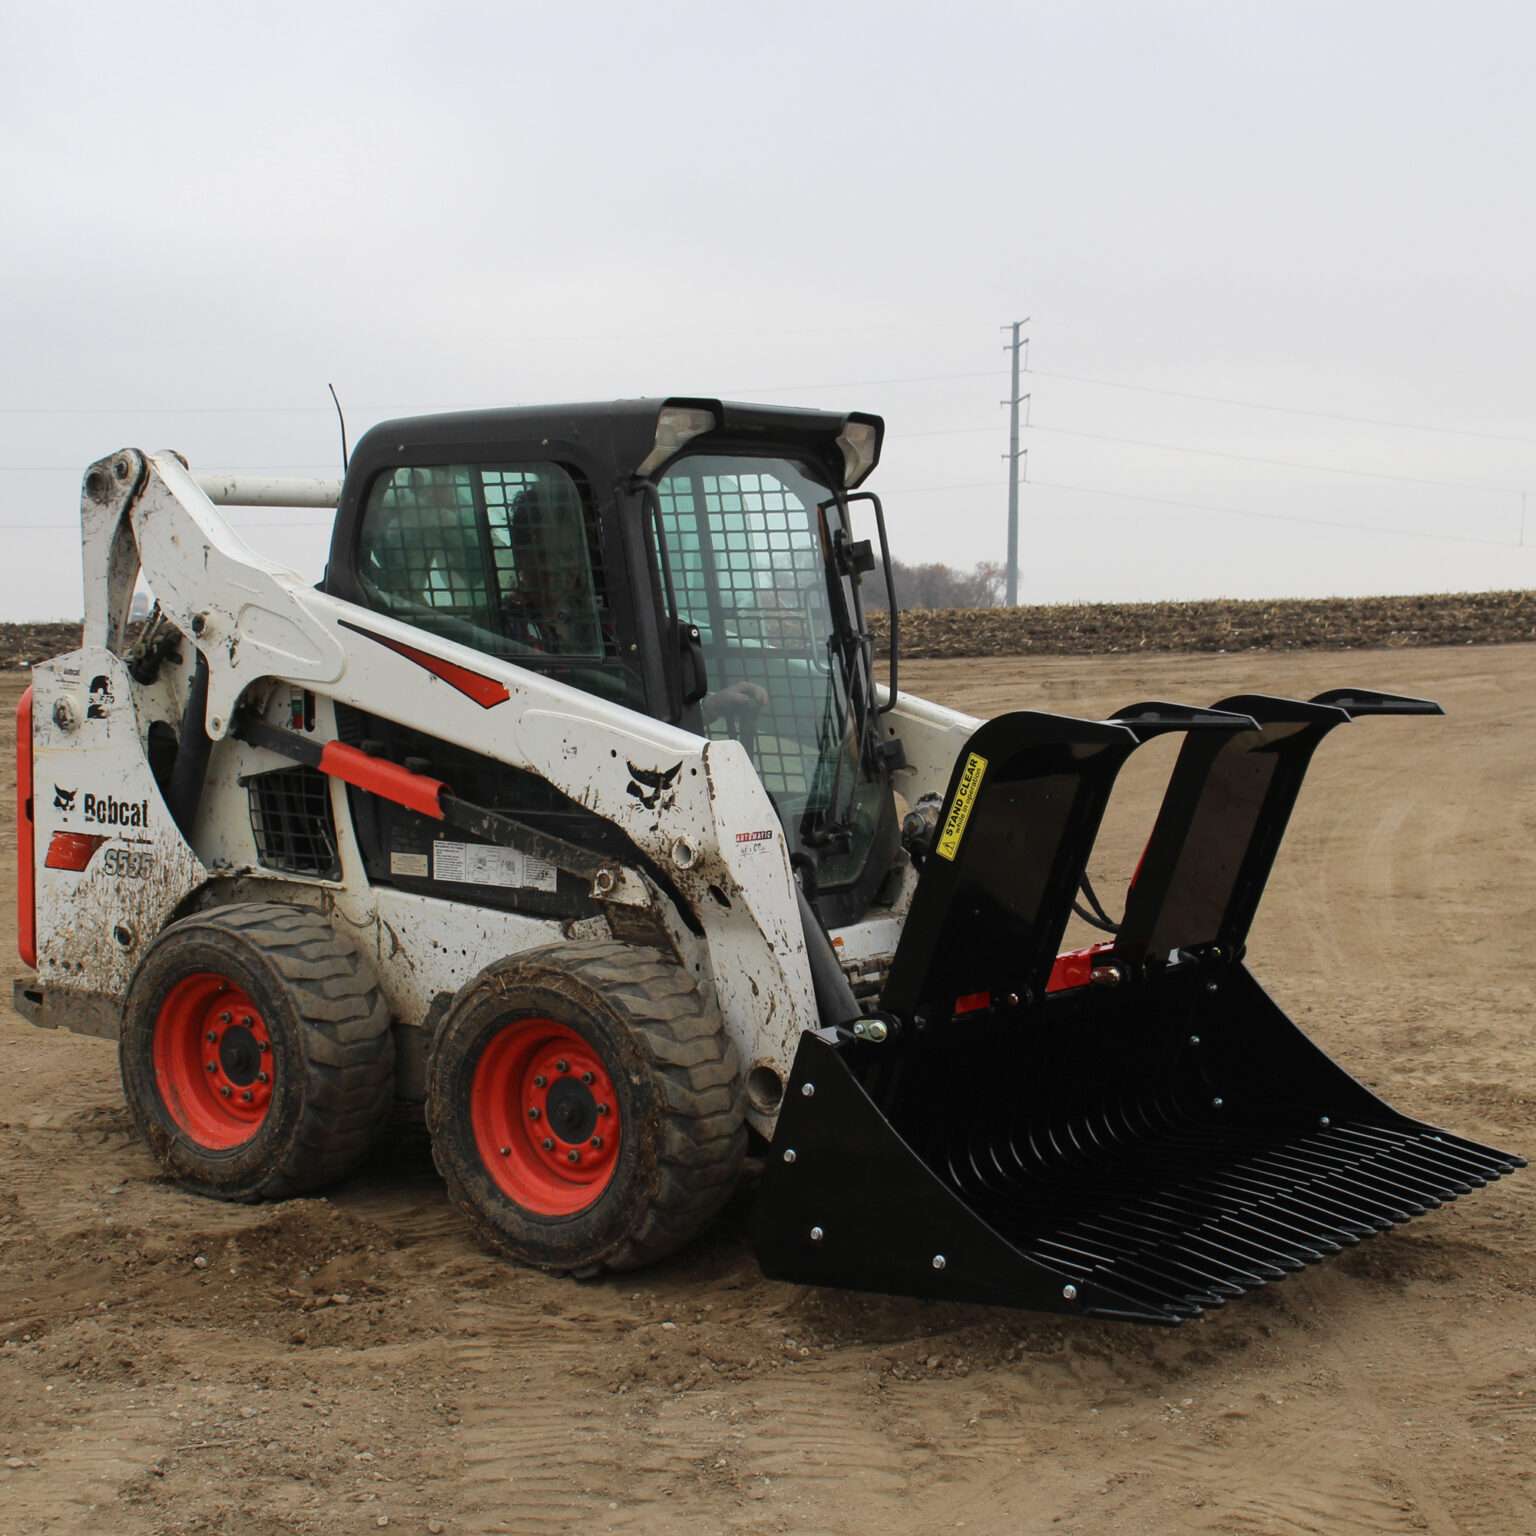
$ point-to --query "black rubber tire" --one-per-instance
(332, 1044)
(680, 1088)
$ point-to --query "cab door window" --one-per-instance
(502, 557)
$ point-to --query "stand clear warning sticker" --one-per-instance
(486, 864)
(960, 809)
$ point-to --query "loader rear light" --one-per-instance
(972, 1002)
(26, 844)
(73, 850)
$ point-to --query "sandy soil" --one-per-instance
(339, 1365)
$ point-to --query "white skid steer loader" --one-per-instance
(566, 807)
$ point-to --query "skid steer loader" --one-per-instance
(569, 808)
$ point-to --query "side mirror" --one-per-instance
(856, 556)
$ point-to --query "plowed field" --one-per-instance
(351, 1363)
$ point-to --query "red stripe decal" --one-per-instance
(26, 896)
(72, 850)
(485, 691)
(415, 791)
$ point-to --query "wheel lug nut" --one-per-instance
(246, 1020)
(506, 1151)
(246, 1096)
(597, 1143)
(540, 1081)
(586, 1077)
(213, 1066)
(213, 1036)
(263, 1046)
(261, 1077)
(602, 1109)
(573, 1156)
(562, 1066)
(225, 1090)
(226, 1017)
(548, 1144)
(533, 1111)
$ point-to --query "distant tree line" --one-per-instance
(938, 586)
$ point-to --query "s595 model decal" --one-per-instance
(127, 863)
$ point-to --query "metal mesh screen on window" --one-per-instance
(541, 554)
(422, 542)
(291, 820)
(746, 568)
(506, 549)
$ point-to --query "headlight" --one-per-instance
(675, 426)
(858, 440)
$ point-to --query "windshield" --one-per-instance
(745, 539)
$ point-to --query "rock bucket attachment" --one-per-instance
(1149, 1142)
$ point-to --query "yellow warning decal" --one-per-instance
(960, 807)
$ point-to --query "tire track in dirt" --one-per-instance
(541, 1447)
(73, 1478)
(1392, 1389)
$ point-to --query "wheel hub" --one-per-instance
(545, 1116)
(213, 1061)
(572, 1111)
(239, 1055)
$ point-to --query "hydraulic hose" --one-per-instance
(190, 770)
(835, 1002)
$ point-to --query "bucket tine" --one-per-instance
(1220, 825)
(1356, 702)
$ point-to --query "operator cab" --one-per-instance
(690, 559)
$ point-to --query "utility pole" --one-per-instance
(1015, 399)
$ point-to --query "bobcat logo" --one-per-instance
(100, 705)
(64, 799)
(649, 785)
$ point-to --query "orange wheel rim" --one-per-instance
(545, 1117)
(213, 1061)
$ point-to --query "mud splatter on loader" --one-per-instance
(570, 809)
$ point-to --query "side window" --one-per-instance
(502, 557)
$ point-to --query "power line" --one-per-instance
(1288, 410)
(1054, 485)
(1276, 517)
(1249, 458)
(417, 410)
(925, 378)
(742, 389)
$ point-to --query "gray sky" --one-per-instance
(210, 212)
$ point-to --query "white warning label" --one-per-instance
(486, 864)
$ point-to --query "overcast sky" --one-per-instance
(1325, 209)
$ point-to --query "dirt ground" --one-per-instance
(339, 1365)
